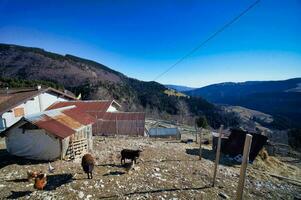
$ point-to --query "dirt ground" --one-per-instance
(167, 169)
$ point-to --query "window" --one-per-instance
(19, 112)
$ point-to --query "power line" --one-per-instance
(225, 26)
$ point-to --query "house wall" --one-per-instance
(34, 105)
(33, 144)
(112, 109)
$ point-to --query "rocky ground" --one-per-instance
(167, 169)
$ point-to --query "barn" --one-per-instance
(64, 133)
(110, 121)
(233, 144)
(16, 103)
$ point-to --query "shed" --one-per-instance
(233, 145)
(64, 133)
(165, 133)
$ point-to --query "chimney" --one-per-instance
(39, 87)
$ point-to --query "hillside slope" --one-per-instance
(179, 88)
(96, 81)
(279, 98)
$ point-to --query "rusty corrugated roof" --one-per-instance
(61, 122)
(79, 116)
(54, 127)
(86, 106)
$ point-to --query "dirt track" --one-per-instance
(166, 170)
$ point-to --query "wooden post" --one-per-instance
(196, 133)
(218, 151)
(116, 123)
(200, 151)
(243, 168)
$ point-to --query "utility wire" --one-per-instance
(225, 26)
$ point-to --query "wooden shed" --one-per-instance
(64, 133)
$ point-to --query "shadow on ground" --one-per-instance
(111, 165)
(7, 159)
(158, 191)
(53, 181)
(115, 173)
(210, 155)
(16, 195)
(57, 180)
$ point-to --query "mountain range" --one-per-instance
(278, 98)
(22, 66)
(25, 66)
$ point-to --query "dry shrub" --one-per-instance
(263, 154)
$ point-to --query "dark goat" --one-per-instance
(88, 165)
(130, 154)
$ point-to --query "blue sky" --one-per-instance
(143, 38)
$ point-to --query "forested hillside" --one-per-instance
(25, 66)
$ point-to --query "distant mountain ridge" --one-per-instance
(179, 88)
(280, 98)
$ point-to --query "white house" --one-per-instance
(16, 103)
(64, 133)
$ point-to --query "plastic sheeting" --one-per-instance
(165, 133)
(33, 144)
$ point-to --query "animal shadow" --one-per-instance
(57, 180)
(21, 180)
(111, 165)
(115, 173)
(18, 194)
(210, 155)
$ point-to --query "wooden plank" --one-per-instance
(217, 157)
(200, 150)
(243, 168)
(196, 133)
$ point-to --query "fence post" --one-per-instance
(196, 133)
(243, 168)
(200, 151)
(218, 151)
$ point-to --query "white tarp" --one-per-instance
(165, 132)
(33, 144)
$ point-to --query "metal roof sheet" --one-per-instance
(86, 106)
(54, 127)
(61, 122)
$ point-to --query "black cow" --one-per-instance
(130, 154)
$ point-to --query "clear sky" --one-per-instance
(143, 38)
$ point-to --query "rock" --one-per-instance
(223, 195)
(157, 169)
(81, 195)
